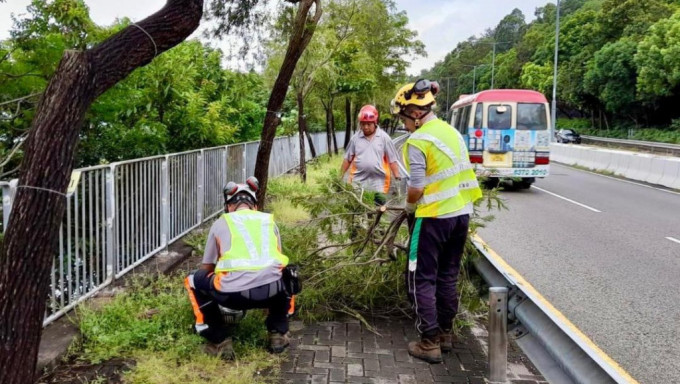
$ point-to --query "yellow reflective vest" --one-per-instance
(254, 245)
(450, 181)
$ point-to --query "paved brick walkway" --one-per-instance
(346, 352)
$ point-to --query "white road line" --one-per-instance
(566, 199)
(618, 179)
(673, 239)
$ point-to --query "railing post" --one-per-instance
(8, 192)
(165, 202)
(111, 239)
(498, 334)
(200, 165)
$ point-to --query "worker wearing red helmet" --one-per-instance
(370, 156)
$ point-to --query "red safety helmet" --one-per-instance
(368, 113)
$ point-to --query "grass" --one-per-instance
(151, 323)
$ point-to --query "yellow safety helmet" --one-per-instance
(421, 94)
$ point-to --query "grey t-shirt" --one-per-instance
(219, 241)
(370, 160)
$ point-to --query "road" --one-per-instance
(607, 254)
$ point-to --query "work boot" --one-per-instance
(278, 342)
(426, 349)
(223, 350)
(445, 340)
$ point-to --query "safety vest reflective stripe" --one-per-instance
(448, 172)
(437, 143)
(244, 263)
(451, 192)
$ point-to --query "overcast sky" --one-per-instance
(441, 24)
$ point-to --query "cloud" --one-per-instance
(442, 24)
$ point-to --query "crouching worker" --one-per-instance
(242, 269)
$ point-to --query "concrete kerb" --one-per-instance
(640, 167)
(671, 174)
(58, 336)
(656, 170)
(602, 159)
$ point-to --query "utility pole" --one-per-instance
(474, 79)
(493, 65)
(554, 93)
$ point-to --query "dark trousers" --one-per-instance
(205, 299)
(437, 245)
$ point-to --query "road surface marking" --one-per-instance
(673, 239)
(566, 199)
(619, 179)
(553, 313)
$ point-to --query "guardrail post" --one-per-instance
(111, 239)
(165, 202)
(200, 165)
(498, 334)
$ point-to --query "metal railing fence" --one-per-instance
(123, 213)
(647, 146)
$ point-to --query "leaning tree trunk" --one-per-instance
(348, 121)
(31, 237)
(312, 150)
(302, 32)
(301, 132)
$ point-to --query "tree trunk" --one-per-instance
(311, 143)
(348, 121)
(326, 109)
(302, 128)
(332, 126)
(303, 30)
(38, 210)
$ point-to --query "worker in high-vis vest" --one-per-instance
(242, 269)
(442, 188)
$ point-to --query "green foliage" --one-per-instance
(659, 58)
(152, 323)
(611, 75)
(341, 274)
(183, 100)
(618, 60)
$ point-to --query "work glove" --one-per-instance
(410, 215)
(410, 208)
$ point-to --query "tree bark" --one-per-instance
(31, 237)
(332, 125)
(348, 121)
(311, 143)
(303, 30)
(302, 128)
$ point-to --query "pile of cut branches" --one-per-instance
(352, 253)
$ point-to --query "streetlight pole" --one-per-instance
(493, 65)
(474, 79)
(554, 93)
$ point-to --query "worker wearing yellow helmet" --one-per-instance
(441, 191)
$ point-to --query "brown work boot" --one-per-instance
(278, 342)
(445, 340)
(426, 349)
(223, 350)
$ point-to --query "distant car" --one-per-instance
(568, 136)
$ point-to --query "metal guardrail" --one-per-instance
(554, 345)
(647, 146)
(123, 213)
